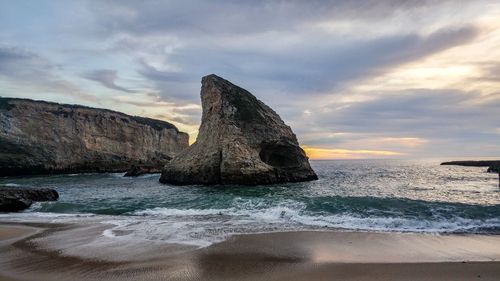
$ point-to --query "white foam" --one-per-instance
(203, 227)
(12, 184)
(180, 212)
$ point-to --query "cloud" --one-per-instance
(411, 110)
(107, 78)
(281, 50)
(227, 17)
(414, 77)
(310, 67)
(436, 120)
(179, 119)
(23, 68)
(491, 72)
(405, 141)
(19, 63)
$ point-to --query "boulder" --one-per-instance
(17, 199)
(139, 170)
(495, 168)
(13, 204)
(240, 141)
(153, 167)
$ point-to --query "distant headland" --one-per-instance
(493, 165)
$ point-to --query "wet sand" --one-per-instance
(15, 232)
(69, 252)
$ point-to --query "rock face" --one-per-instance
(139, 170)
(39, 137)
(495, 168)
(480, 163)
(493, 165)
(241, 141)
(17, 199)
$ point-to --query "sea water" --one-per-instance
(361, 195)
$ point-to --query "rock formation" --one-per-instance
(494, 168)
(139, 170)
(493, 165)
(471, 163)
(39, 137)
(241, 141)
(17, 199)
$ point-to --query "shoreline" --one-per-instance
(47, 252)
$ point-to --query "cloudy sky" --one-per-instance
(354, 79)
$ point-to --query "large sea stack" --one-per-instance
(241, 141)
(39, 137)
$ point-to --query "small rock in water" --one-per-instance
(139, 170)
(20, 198)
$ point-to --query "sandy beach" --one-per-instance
(64, 252)
(232, 140)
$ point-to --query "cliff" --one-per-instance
(470, 163)
(241, 141)
(38, 137)
(493, 165)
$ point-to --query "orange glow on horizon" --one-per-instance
(330, 153)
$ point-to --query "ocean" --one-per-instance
(361, 195)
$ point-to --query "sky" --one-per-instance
(354, 79)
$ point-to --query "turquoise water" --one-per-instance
(371, 195)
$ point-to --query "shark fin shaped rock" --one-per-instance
(241, 141)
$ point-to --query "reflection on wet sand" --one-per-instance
(65, 252)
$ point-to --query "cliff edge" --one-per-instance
(38, 137)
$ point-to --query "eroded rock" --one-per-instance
(17, 199)
(38, 137)
(495, 168)
(241, 141)
(139, 170)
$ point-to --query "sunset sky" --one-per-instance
(354, 79)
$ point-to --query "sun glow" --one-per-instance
(332, 153)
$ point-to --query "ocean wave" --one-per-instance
(290, 214)
(351, 196)
(203, 227)
(11, 184)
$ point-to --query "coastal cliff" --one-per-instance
(493, 165)
(241, 141)
(38, 137)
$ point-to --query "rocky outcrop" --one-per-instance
(139, 170)
(241, 141)
(493, 165)
(480, 163)
(39, 137)
(494, 168)
(17, 199)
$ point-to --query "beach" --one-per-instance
(63, 252)
(358, 222)
(249, 140)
